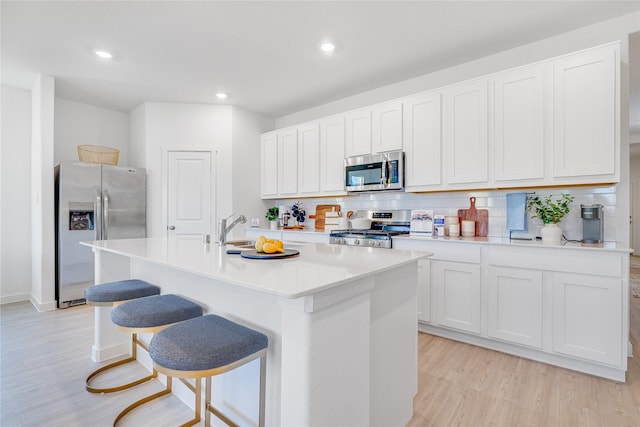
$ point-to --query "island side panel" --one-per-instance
(108, 341)
(394, 346)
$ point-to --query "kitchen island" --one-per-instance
(341, 323)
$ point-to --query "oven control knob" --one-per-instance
(356, 241)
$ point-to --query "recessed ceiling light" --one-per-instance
(221, 95)
(104, 54)
(327, 47)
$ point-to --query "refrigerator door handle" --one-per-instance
(97, 209)
(105, 224)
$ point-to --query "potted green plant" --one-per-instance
(550, 211)
(272, 216)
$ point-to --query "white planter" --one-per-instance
(273, 225)
(551, 233)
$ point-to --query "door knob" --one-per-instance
(171, 227)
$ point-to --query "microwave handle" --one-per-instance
(385, 171)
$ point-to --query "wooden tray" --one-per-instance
(480, 216)
(253, 254)
(321, 211)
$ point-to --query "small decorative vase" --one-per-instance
(273, 225)
(551, 233)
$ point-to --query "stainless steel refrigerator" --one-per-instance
(93, 202)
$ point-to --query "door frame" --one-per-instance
(165, 181)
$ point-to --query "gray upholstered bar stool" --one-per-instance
(152, 315)
(109, 295)
(204, 347)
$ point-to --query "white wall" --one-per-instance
(182, 126)
(42, 195)
(247, 127)
(77, 123)
(15, 197)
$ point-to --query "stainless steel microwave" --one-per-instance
(375, 172)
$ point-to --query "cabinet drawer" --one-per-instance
(557, 259)
(442, 250)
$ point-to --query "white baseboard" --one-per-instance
(8, 299)
(47, 306)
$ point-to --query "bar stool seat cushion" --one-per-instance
(154, 311)
(204, 343)
(121, 290)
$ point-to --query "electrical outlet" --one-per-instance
(255, 222)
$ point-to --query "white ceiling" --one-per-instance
(264, 54)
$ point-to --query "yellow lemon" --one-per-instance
(260, 241)
(271, 248)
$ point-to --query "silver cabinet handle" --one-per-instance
(171, 227)
(97, 209)
(105, 217)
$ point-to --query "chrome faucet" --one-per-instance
(224, 230)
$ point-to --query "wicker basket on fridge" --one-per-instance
(98, 154)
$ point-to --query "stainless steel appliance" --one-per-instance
(375, 172)
(592, 223)
(93, 202)
(384, 225)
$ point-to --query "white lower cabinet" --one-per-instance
(514, 306)
(563, 305)
(588, 317)
(457, 295)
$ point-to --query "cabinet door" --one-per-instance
(587, 317)
(288, 162)
(422, 140)
(332, 156)
(519, 127)
(584, 126)
(269, 165)
(358, 133)
(424, 290)
(466, 139)
(515, 305)
(458, 295)
(386, 132)
(309, 159)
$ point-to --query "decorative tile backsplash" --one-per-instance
(494, 201)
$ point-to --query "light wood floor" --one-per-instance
(44, 358)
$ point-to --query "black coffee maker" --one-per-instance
(592, 223)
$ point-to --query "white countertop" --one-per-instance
(609, 246)
(317, 268)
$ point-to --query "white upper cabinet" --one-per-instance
(332, 137)
(288, 162)
(555, 122)
(465, 137)
(519, 127)
(386, 134)
(309, 159)
(422, 141)
(358, 133)
(269, 165)
(586, 139)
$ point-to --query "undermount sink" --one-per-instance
(245, 244)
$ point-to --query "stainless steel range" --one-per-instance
(384, 225)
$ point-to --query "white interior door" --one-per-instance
(189, 195)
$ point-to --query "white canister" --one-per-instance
(448, 220)
(468, 228)
(454, 230)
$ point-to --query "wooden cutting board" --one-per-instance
(480, 216)
(320, 214)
